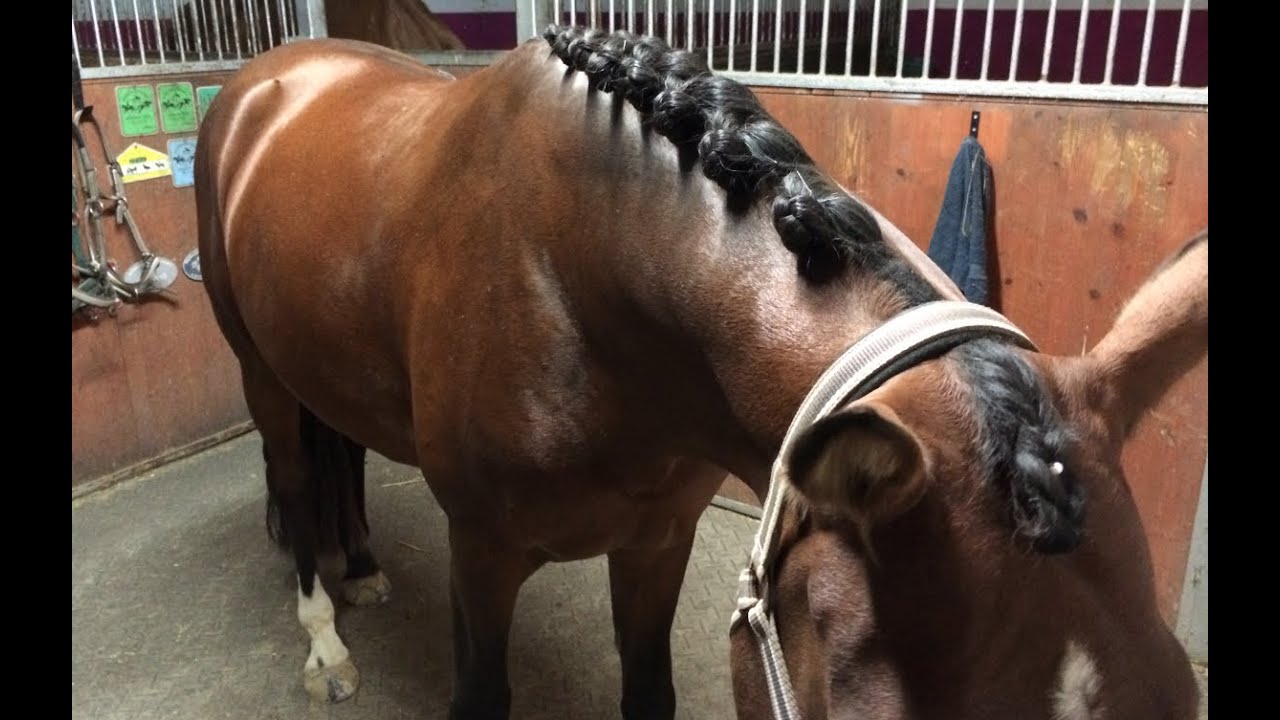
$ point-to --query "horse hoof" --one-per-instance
(332, 684)
(372, 589)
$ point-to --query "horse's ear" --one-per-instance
(1160, 334)
(861, 461)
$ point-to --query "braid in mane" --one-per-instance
(1026, 445)
(740, 147)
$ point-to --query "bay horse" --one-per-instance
(573, 288)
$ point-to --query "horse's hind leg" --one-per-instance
(364, 582)
(300, 487)
(644, 587)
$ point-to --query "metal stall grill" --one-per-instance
(1138, 51)
(130, 37)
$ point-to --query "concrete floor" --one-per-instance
(181, 608)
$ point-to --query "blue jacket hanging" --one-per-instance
(959, 243)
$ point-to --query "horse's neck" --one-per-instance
(697, 310)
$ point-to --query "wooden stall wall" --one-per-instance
(1088, 199)
(157, 377)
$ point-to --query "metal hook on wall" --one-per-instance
(974, 119)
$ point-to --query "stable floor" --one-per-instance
(181, 608)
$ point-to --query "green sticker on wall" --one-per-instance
(205, 95)
(177, 107)
(137, 106)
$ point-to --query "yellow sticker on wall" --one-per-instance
(139, 162)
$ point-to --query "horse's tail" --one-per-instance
(331, 477)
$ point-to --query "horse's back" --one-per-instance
(304, 192)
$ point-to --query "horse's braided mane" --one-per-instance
(745, 151)
(740, 147)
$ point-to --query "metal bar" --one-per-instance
(217, 27)
(1080, 39)
(982, 88)
(986, 39)
(97, 34)
(137, 29)
(526, 18)
(1048, 41)
(559, 19)
(1146, 42)
(875, 39)
(724, 503)
(688, 33)
(235, 28)
(155, 19)
(1017, 41)
(251, 14)
(284, 22)
(173, 68)
(928, 38)
(177, 23)
(800, 43)
(266, 19)
(316, 19)
(648, 17)
(1111, 40)
(573, 12)
(119, 38)
(631, 16)
(593, 13)
(755, 31)
(777, 37)
(848, 39)
(671, 29)
(711, 30)
(155, 23)
(902, 35)
(955, 38)
(1176, 81)
(733, 27)
(613, 20)
(457, 57)
(76, 44)
(469, 58)
(199, 33)
(826, 34)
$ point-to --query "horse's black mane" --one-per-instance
(740, 147)
(745, 151)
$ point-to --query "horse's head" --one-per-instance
(935, 558)
(960, 541)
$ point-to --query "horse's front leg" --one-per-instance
(644, 586)
(485, 577)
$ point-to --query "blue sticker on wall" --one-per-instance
(182, 158)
